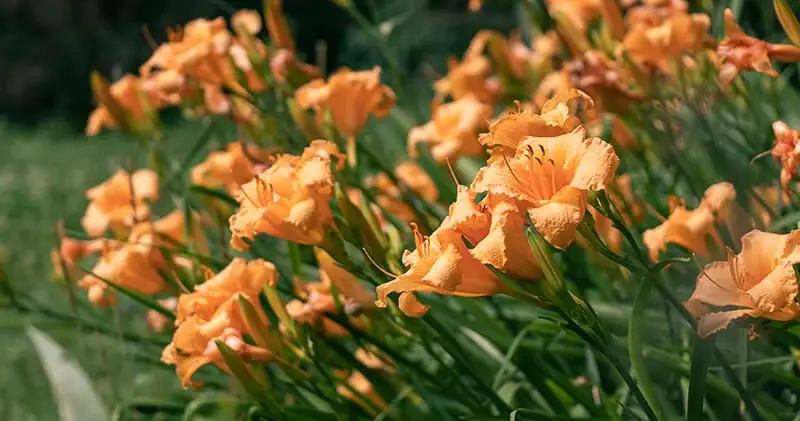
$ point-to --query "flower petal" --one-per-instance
(558, 220)
(713, 322)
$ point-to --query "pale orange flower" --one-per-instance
(350, 96)
(442, 263)
(580, 12)
(740, 51)
(134, 100)
(652, 13)
(128, 265)
(469, 78)
(511, 56)
(693, 229)
(120, 201)
(363, 388)
(71, 251)
(786, 151)
(550, 178)
(316, 302)
(758, 282)
(453, 130)
(290, 199)
(413, 176)
(231, 168)
(475, 5)
(557, 117)
(660, 46)
(390, 196)
(212, 313)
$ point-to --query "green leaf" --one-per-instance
(216, 194)
(788, 20)
(75, 396)
(638, 365)
(702, 354)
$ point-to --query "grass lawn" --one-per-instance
(43, 175)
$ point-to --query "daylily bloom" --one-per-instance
(580, 12)
(133, 100)
(453, 130)
(557, 117)
(290, 199)
(692, 229)
(71, 251)
(317, 301)
(550, 177)
(212, 313)
(442, 263)
(608, 83)
(661, 45)
(786, 151)
(740, 51)
(158, 322)
(469, 78)
(475, 5)
(758, 282)
(652, 13)
(363, 388)
(350, 96)
(120, 201)
(390, 197)
(129, 265)
(231, 168)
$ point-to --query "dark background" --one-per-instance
(49, 47)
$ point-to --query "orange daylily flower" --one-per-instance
(659, 46)
(71, 251)
(290, 199)
(760, 281)
(740, 51)
(135, 264)
(786, 151)
(390, 198)
(212, 313)
(120, 201)
(136, 99)
(652, 13)
(231, 168)
(580, 12)
(692, 229)
(350, 96)
(318, 300)
(469, 78)
(550, 178)
(442, 263)
(475, 5)
(453, 130)
(557, 117)
(413, 176)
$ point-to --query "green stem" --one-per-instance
(638, 364)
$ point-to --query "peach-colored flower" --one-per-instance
(290, 199)
(363, 388)
(550, 178)
(661, 45)
(128, 265)
(390, 197)
(453, 130)
(212, 313)
(442, 263)
(120, 201)
(134, 100)
(413, 176)
(580, 12)
(469, 78)
(693, 229)
(231, 168)
(786, 151)
(652, 13)
(475, 5)
(740, 51)
(758, 282)
(557, 117)
(350, 96)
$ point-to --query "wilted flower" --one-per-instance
(550, 177)
(692, 229)
(453, 130)
(231, 168)
(758, 282)
(350, 96)
(740, 51)
(120, 201)
(212, 313)
(659, 46)
(290, 199)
